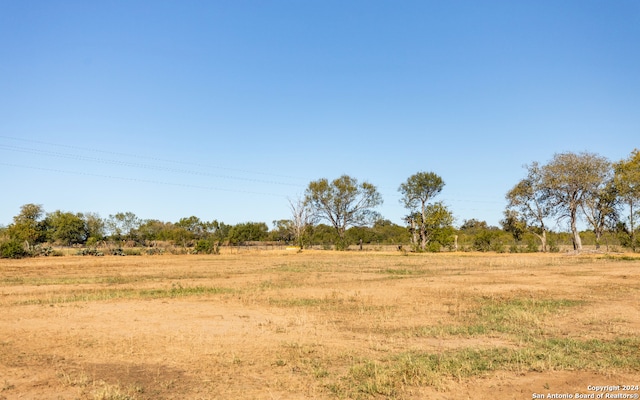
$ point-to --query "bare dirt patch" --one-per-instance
(317, 325)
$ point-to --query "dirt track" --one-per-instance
(277, 325)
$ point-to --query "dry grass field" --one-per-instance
(318, 325)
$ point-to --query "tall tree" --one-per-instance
(568, 179)
(151, 230)
(301, 219)
(438, 223)
(196, 228)
(600, 208)
(95, 226)
(344, 202)
(416, 193)
(66, 228)
(528, 206)
(282, 231)
(28, 226)
(123, 225)
(514, 224)
(627, 183)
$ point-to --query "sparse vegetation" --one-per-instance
(315, 324)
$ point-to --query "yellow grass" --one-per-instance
(317, 325)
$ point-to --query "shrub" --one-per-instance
(487, 240)
(44, 251)
(155, 251)
(92, 241)
(89, 252)
(132, 252)
(552, 244)
(117, 252)
(434, 247)
(13, 249)
(532, 245)
(207, 246)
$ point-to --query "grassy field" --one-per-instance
(318, 325)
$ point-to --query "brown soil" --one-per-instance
(280, 325)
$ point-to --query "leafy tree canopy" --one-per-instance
(344, 202)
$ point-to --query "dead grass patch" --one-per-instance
(315, 324)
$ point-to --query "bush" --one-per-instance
(434, 247)
(132, 252)
(552, 244)
(92, 241)
(487, 240)
(45, 251)
(207, 246)
(13, 249)
(117, 252)
(155, 251)
(89, 252)
(532, 245)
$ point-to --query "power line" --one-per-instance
(136, 165)
(140, 180)
(93, 150)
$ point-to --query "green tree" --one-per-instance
(569, 179)
(123, 225)
(248, 232)
(389, 233)
(219, 231)
(528, 206)
(600, 208)
(151, 230)
(323, 234)
(473, 226)
(95, 227)
(66, 228)
(416, 193)
(439, 226)
(196, 228)
(482, 236)
(360, 235)
(344, 202)
(435, 226)
(627, 183)
(282, 231)
(514, 224)
(28, 226)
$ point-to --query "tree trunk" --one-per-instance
(423, 238)
(577, 243)
(543, 240)
(632, 228)
(414, 233)
(342, 240)
(423, 228)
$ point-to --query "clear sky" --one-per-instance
(224, 109)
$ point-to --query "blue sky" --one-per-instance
(224, 109)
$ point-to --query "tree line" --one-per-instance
(572, 187)
(575, 186)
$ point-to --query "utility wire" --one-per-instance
(137, 156)
(140, 180)
(136, 165)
